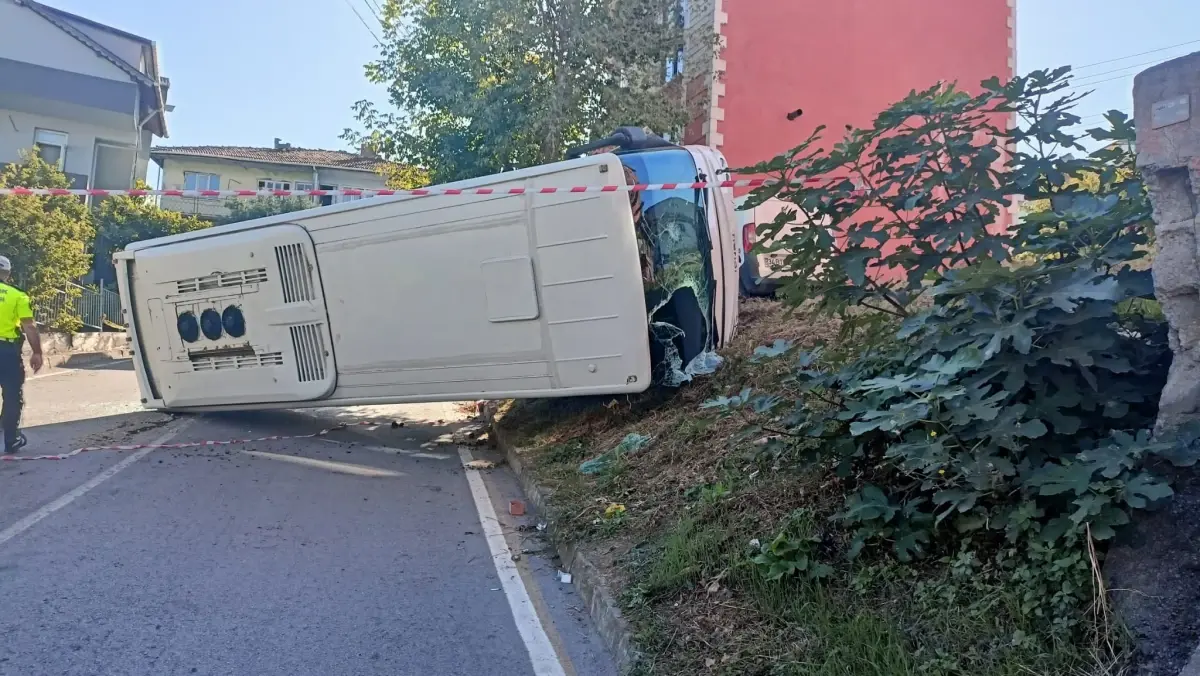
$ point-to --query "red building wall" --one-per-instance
(842, 61)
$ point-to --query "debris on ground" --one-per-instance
(709, 514)
(516, 508)
(480, 464)
(564, 577)
(614, 510)
(470, 435)
(632, 443)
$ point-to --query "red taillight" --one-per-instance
(748, 237)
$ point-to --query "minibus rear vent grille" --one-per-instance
(218, 280)
(236, 361)
(309, 344)
(295, 273)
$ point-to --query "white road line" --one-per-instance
(64, 370)
(390, 450)
(46, 510)
(529, 624)
(332, 466)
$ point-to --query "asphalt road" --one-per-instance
(361, 552)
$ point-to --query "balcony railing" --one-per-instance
(207, 207)
(97, 309)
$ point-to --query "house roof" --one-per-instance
(96, 24)
(332, 159)
(62, 20)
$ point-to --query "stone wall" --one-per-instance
(702, 70)
(1153, 570)
(1168, 147)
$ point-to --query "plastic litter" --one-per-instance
(632, 443)
(564, 577)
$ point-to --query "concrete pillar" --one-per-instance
(1168, 153)
(1153, 569)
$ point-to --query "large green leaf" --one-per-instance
(1054, 479)
(869, 504)
(1142, 490)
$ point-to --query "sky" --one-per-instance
(243, 73)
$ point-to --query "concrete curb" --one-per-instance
(601, 603)
(73, 359)
(1192, 668)
(81, 349)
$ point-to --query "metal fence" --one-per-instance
(96, 308)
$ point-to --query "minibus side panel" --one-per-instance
(484, 296)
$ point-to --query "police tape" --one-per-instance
(387, 192)
(371, 425)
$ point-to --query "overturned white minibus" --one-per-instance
(445, 297)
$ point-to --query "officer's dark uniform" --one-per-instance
(14, 308)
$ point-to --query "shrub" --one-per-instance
(47, 238)
(248, 209)
(123, 220)
(1002, 387)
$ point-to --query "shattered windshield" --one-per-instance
(676, 265)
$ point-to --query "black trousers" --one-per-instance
(12, 382)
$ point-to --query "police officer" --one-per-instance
(16, 324)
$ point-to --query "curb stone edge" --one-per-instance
(601, 603)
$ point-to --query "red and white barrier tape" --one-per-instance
(418, 192)
(186, 444)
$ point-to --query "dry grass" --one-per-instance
(697, 494)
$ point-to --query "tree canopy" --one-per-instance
(123, 220)
(482, 86)
(46, 238)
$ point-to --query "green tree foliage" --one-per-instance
(1004, 397)
(47, 238)
(248, 209)
(492, 85)
(123, 220)
(404, 176)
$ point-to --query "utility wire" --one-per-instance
(1117, 70)
(373, 12)
(1088, 85)
(1130, 56)
(364, 21)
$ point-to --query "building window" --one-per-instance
(303, 185)
(350, 198)
(675, 63)
(51, 146)
(675, 66)
(193, 180)
(272, 184)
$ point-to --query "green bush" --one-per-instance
(259, 207)
(123, 220)
(999, 390)
(46, 238)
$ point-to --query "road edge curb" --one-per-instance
(601, 603)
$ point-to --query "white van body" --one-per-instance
(723, 229)
(407, 299)
(760, 269)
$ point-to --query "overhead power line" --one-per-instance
(1118, 70)
(1130, 56)
(373, 11)
(361, 19)
(1089, 85)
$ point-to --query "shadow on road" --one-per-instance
(410, 426)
